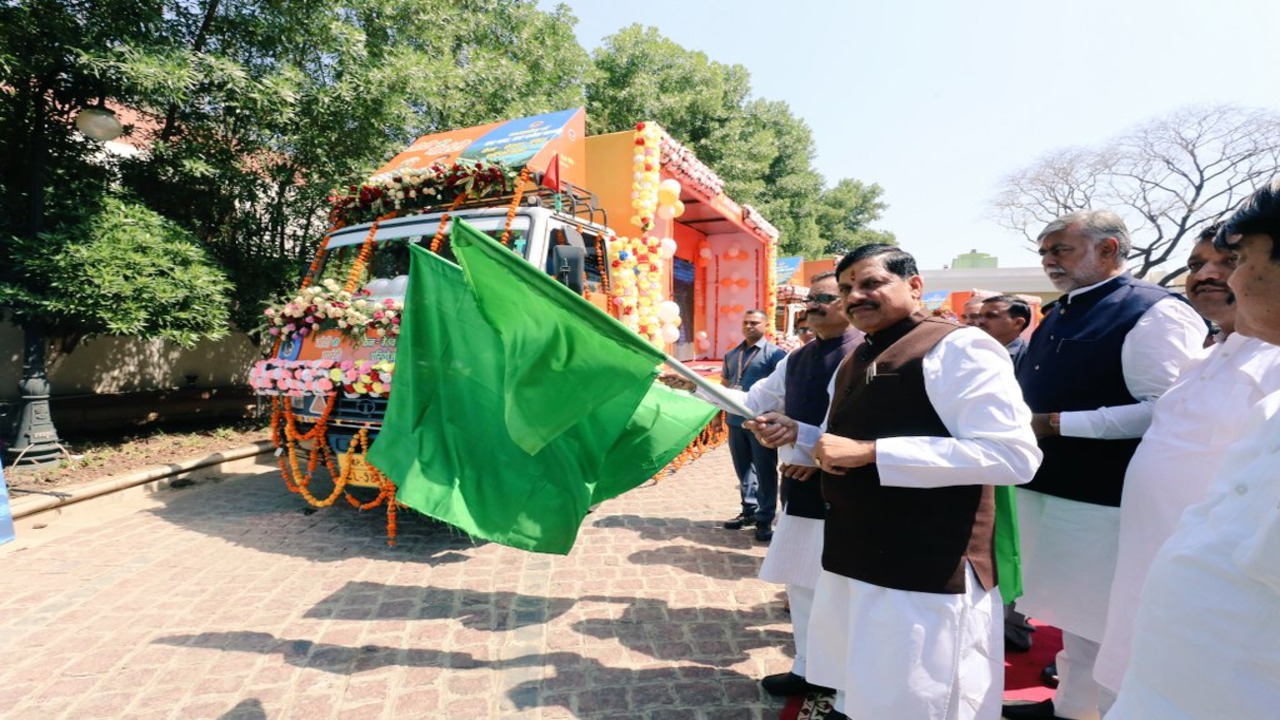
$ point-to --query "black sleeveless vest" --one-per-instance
(809, 371)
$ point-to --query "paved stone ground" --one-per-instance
(232, 600)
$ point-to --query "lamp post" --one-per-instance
(35, 440)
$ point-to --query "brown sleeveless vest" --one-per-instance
(901, 538)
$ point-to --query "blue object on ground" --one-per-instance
(6, 515)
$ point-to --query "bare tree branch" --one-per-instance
(1168, 178)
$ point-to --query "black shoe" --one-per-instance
(763, 534)
(1049, 675)
(1016, 642)
(788, 684)
(1042, 710)
(740, 522)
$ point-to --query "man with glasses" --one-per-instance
(1005, 317)
(799, 389)
(803, 332)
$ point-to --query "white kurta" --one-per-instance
(929, 656)
(1194, 422)
(1206, 641)
(1069, 548)
(795, 552)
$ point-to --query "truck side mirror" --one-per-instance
(568, 261)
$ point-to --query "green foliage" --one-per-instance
(123, 270)
(844, 213)
(760, 149)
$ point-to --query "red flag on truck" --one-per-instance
(551, 177)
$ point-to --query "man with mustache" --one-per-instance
(925, 417)
(1181, 455)
(798, 387)
(1102, 355)
(1206, 643)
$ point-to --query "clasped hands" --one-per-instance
(833, 454)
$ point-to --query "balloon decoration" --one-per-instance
(637, 265)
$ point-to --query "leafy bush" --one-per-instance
(121, 270)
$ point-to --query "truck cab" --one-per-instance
(566, 239)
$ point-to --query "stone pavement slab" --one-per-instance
(236, 600)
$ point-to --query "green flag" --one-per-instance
(1007, 549)
(464, 436)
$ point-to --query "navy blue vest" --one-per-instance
(809, 371)
(760, 364)
(1073, 363)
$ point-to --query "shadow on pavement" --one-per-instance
(325, 657)
(579, 684)
(258, 512)
(719, 564)
(599, 690)
(715, 636)
(496, 611)
(250, 709)
(660, 529)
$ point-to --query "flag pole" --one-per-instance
(713, 390)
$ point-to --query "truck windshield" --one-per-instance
(391, 257)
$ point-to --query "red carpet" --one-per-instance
(1021, 672)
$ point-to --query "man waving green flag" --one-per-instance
(518, 404)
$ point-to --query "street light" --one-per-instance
(35, 440)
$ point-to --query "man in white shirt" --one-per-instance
(925, 418)
(1180, 456)
(1095, 366)
(798, 387)
(1206, 642)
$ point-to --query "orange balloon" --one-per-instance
(743, 282)
(725, 309)
(726, 282)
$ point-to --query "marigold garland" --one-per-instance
(443, 224)
(521, 181)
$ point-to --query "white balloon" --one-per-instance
(667, 248)
(670, 334)
(398, 285)
(704, 252)
(379, 287)
(668, 311)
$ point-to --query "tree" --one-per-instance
(1168, 178)
(762, 151)
(258, 109)
(121, 270)
(846, 210)
(248, 113)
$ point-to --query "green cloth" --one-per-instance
(518, 404)
(1008, 556)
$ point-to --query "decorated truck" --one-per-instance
(631, 220)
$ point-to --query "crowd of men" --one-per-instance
(1141, 427)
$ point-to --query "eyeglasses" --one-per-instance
(822, 298)
(803, 330)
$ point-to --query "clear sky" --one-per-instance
(938, 101)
